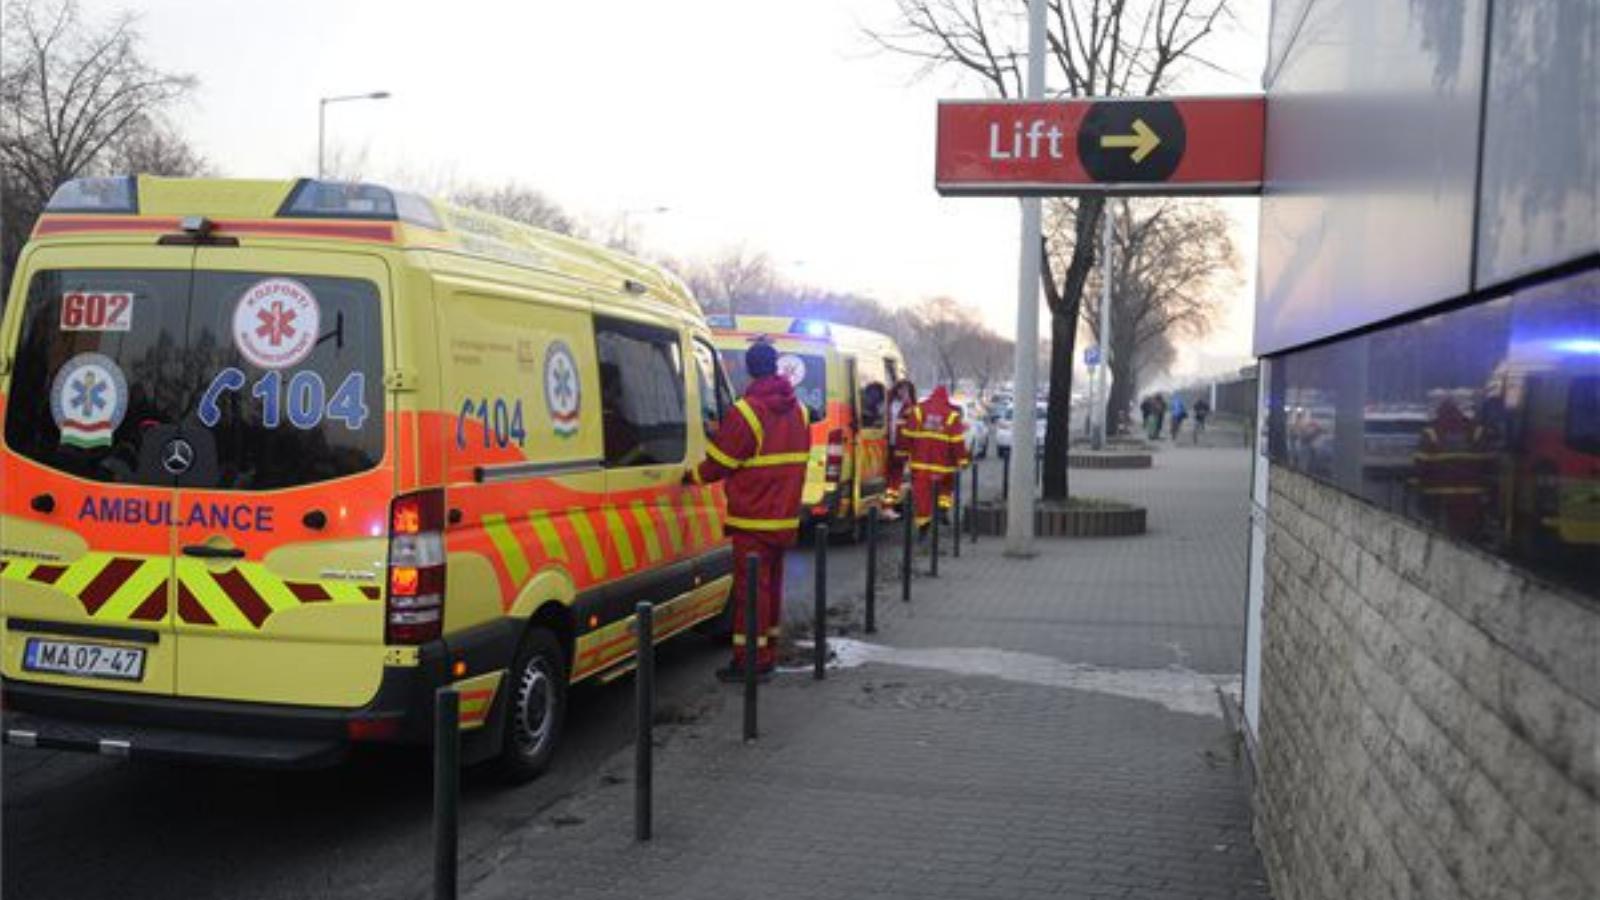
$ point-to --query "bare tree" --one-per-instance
(1098, 48)
(737, 281)
(154, 146)
(72, 92)
(518, 203)
(1173, 261)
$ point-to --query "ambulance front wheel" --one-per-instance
(537, 704)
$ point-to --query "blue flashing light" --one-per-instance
(119, 194)
(314, 199)
(1584, 346)
(809, 328)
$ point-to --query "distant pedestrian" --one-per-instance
(1202, 410)
(1179, 413)
(1147, 415)
(1160, 402)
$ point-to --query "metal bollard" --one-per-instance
(872, 571)
(446, 790)
(955, 515)
(645, 704)
(933, 526)
(1005, 480)
(908, 545)
(819, 616)
(972, 506)
(752, 568)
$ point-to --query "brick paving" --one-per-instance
(928, 781)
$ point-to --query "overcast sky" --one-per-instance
(771, 123)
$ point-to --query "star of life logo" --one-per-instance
(563, 389)
(275, 323)
(88, 399)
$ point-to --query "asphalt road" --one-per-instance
(79, 826)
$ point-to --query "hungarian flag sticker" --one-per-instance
(88, 400)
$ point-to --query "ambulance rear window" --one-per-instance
(267, 380)
(808, 374)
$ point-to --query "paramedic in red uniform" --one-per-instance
(938, 446)
(903, 399)
(761, 450)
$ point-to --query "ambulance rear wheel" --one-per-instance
(536, 705)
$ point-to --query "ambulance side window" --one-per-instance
(715, 395)
(641, 393)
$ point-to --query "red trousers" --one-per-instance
(924, 485)
(897, 476)
(769, 597)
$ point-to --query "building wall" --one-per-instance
(1430, 717)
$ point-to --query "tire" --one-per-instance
(536, 705)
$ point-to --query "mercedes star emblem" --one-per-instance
(177, 456)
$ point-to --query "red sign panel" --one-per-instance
(1189, 145)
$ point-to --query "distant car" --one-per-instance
(1003, 429)
(977, 422)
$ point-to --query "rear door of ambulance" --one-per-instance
(96, 372)
(280, 515)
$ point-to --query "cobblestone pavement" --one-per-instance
(1039, 728)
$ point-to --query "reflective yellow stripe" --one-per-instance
(647, 527)
(755, 424)
(931, 467)
(779, 459)
(133, 592)
(587, 539)
(951, 418)
(210, 596)
(516, 562)
(619, 536)
(271, 588)
(549, 539)
(697, 534)
(738, 639)
(716, 453)
(669, 517)
(80, 572)
(763, 524)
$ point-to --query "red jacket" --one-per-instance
(762, 449)
(938, 437)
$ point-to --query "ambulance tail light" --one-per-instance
(415, 588)
(834, 469)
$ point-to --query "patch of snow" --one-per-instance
(1177, 688)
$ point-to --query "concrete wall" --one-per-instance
(1430, 717)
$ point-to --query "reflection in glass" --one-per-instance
(1483, 423)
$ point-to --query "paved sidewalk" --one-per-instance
(1041, 728)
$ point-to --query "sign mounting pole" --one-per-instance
(1102, 376)
(1019, 506)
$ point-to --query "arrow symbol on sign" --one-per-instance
(1143, 141)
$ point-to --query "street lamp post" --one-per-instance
(322, 120)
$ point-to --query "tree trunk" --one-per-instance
(1058, 419)
(1123, 386)
(1064, 306)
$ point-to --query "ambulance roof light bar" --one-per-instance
(312, 198)
(118, 194)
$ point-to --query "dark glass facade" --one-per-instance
(1482, 422)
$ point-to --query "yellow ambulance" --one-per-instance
(281, 458)
(843, 375)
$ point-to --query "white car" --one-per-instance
(1002, 429)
